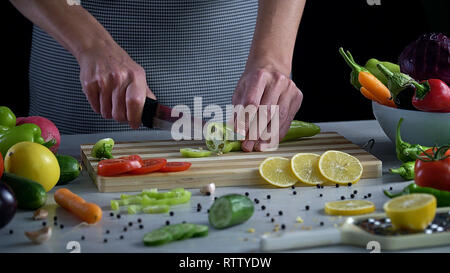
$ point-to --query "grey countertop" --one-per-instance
(234, 239)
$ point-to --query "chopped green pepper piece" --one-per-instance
(103, 148)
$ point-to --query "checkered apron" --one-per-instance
(195, 48)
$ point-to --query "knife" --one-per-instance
(159, 116)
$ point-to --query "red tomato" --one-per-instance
(150, 165)
(115, 166)
(132, 157)
(433, 174)
(176, 167)
(1, 165)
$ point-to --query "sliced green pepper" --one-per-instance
(442, 197)
(191, 152)
(103, 148)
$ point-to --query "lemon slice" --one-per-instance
(305, 167)
(349, 207)
(411, 212)
(339, 167)
(277, 171)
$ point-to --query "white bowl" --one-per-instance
(418, 127)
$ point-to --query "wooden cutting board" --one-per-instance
(232, 169)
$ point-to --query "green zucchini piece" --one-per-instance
(230, 210)
(157, 237)
(201, 231)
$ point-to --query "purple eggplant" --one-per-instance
(8, 204)
(427, 58)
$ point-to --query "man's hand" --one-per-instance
(266, 87)
(114, 84)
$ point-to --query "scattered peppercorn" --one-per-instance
(208, 193)
(105, 240)
(167, 222)
(283, 226)
(256, 201)
(280, 213)
(44, 223)
(171, 213)
(111, 214)
(11, 231)
(337, 185)
(107, 231)
(318, 186)
(390, 188)
(207, 211)
(355, 192)
(55, 223)
(139, 220)
(118, 216)
(125, 229)
(342, 197)
(365, 196)
(263, 207)
(61, 226)
(121, 237)
(82, 238)
(55, 218)
(267, 214)
(320, 195)
(215, 198)
(268, 196)
(349, 184)
(294, 192)
(130, 224)
(293, 187)
(141, 226)
(199, 209)
(272, 220)
(369, 195)
(247, 194)
(307, 207)
(321, 223)
(352, 195)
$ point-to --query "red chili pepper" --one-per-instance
(432, 95)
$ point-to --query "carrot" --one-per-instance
(376, 88)
(88, 212)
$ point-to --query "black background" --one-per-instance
(380, 31)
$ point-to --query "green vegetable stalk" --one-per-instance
(356, 68)
(103, 148)
(442, 197)
(25, 132)
(372, 66)
(406, 170)
(405, 151)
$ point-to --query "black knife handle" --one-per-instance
(149, 112)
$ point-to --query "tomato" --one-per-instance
(433, 174)
(33, 161)
(150, 165)
(1, 165)
(116, 166)
(176, 167)
(133, 157)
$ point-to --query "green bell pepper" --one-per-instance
(25, 132)
(7, 117)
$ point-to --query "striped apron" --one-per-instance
(188, 48)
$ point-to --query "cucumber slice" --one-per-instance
(201, 231)
(230, 210)
(157, 237)
(180, 231)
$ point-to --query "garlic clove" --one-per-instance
(39, 236)
(40, 214)
(208, 189)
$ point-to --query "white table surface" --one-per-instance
(234, 239)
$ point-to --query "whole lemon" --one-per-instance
(33, 161)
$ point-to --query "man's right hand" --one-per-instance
(114, 84)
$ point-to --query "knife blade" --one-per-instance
(159, 116)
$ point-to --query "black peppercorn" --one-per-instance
(44, 223)
(320, 195)
(125, 229)
(215, 198)
(247, 194)
(82, 238)
(256, 201)
(365, 196)
(352, 195)
(283, 226)
(293, 187)
(267, 214)
(130, 224)
(294, 192)
(105, 240)
(280, 213)
(111, 214)
(207, 211)
(307, 207)
(390, 188)
(337, 185)
(272, 220)
(11, 231)
(55, 223)
(121, 237)
(318, 186)
(167, 222)
(263, 207)
(139, 220)
(349, 184)
(141, 226)
(208, 193)
(107, 231)
(268, 196)
(342, 197)
(369, 195)
(55, 218)
(321, 223)
(61, 226)
(118, 216)
(171, 213)
(355, 192)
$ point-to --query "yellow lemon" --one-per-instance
(411, 212)
(305, 167)
(349, 207)
(339, 167)
(277, 171)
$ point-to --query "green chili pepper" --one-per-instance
(300, 129)
(7, 117)
(406, 170)
(25, 132)
(103, 148)
(356, 68)
(405, 151)
(442, 197)
(372, 66)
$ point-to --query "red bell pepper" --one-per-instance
(432, 95)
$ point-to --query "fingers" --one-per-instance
(135, 99)
(91, 90)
